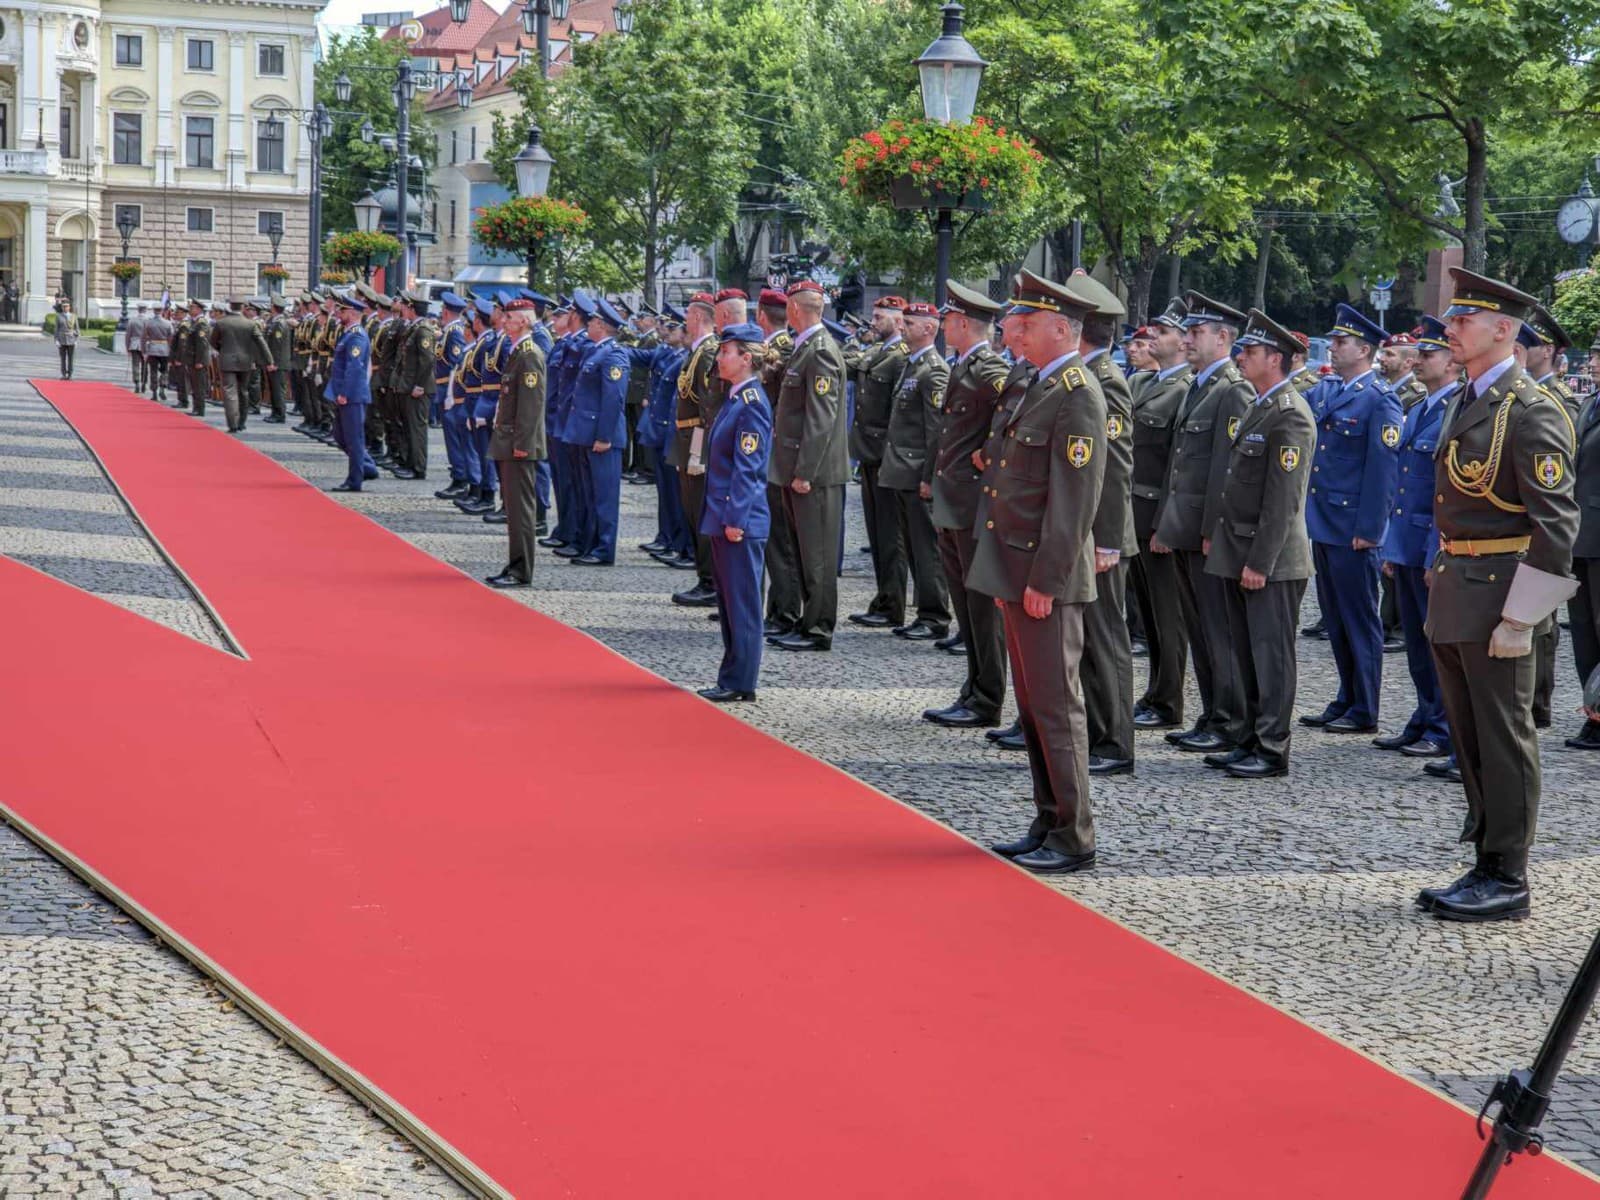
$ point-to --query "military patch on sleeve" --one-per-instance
(999, 385)
(1233, 427)
(530, 379)
(749, 443)
(616, 372)
(937, 399)
(355, 351)
(1080, 450)
(1289, 457)
(1549, 470)
(1074, 377)
(1114, 426)
(821, 386)
(1391, 436)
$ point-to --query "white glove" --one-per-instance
(1510, 639)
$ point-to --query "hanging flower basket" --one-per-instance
(356, 249)
(926, 164)
(336, 277)
(125, 270)
(276, 272)
(521, 224)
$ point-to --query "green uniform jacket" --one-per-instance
(877, 370)
(1113, 523)
(1514, 444)
(914, 421)
(697, 399)
(1261, 522)
(385, 349)
(1200, 444)
(1044, 493)
(519, 413)
(1570, 400)
(414, 357)
(779, 347)
(970, 400)
(239, 343)
(200, 343)
(1155, 408)
(1411, 391)
(808, 416)
(280, 342)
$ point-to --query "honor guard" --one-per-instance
(564, 473)
(1259, 549)
(279, 333)
(447, 354)
(697, 399)
(178, 364)
(349, 390)
(413, 381)
(1359, 427)
(241, 349)
(597, 426)
(517, 442)
(1506, 517)
(652, 433)
(783, 574)
(581, 527)
(1397, 364)
(876, 366)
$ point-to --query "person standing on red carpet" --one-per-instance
(517, 441)
(737, 520)
(350, 392)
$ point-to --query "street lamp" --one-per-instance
(622, 14)
(368, 212)
(464, 89)
(536, 16)
(533, 163)
(342, 88)
(951, 71)
(318, 124)
(127, 222)
(459, 11)
(367, 132)
(275, 233)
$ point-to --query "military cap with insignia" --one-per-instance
(484, 305)
(732, 293)
(1546, 328)
(772, 298)
(703, 299)
(1431, 334)
(520, 304)
(278, 302)
(1400, 339)
(352, 299)
(1350, 322)
(452, 301)
(672, 314)
(583, 304)
(898, 303)
(604, 312)
(1478, 293)
(1172, 316)
(1103, 300)
(621, 306)
(1262, 330)
(921, 308)
(649, 309)
(1203, 310)
(804, 285)
(743, 331)
(1035, 293)
(968, 303)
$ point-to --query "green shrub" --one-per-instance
(107, 339)
(50, 323)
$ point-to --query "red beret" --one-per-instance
(805, 285)
(895, 302)
(1302, 338)
(705, 298)
(1144, 332)
(732, 294)
(519, 305)
(773, 297)
(1399, 339)
(920, 309)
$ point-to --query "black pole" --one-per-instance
(314, 250)
(944, 231)
(533, 266)
(542, 26)
(402, 140)
(1524, 1096)
(1077, 243)
(122, 284)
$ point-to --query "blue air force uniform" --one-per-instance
(560, 471)
(1352, 492)
(654, 430)
(568, 534)
(350, 378)
(736, 496)
(597, 416)
(447, 359)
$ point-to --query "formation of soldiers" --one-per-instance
(1029, 503)
(235, 354)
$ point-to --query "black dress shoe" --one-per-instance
(589, 560)
(1346, 725)
(540, 528)
(772, 629)
(1318, 720)
(722, 695)
(402, 472)
(458, 488)
(497, 517)
(551, 543)
(1424, 748)
(1227, 758)
(872, 620)
(344, 487)
(1256, 767)
(1204, 742)
(1318, 630)
(1588, 737)
(1393, 643)
(1427, 896)
(652, 547)
(696, 597)
(506, 580)
(958, 716)
(956, 641)
(369, 476)
(1045, 861)
(1444, 768)
(1139, 648)
(920, 631)
(475, 508)
(1487, 896)
(684, 562)
(1026, 844)
(1541, 721)
(1178, 736)
(271, 420)
(1012, 741)
(800, 641)
(1149, 718)
(1394, 741)
(1110, 766)
(567, 552)
(994, 735)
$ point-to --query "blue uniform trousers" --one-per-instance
(567, 487)
(349, 432)
(541, 485)
(489, 476)
(672, 527)
(436, 409)
(736, 567)
(1411, 594)
(454, 421)
(602, 497)
(1347, 593)
(471, 462)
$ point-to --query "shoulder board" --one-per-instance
(1527, 392)
(900, 347)
(1074, 377)
(1287, 398)
(1230, 372)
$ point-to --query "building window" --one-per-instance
(197, 279)
(200, 54)
(269, 145)
(130, 50)
(127, 139)
(200, 220)
(66, 132)
(199, 141)
(452, 218)
(266, 219)
(269, 59)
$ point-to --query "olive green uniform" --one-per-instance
(877, 370)
(280, 334)
(385, 355)
(910, 449)
(1548, 638)
(517, 443)
(1107, 649)
(1155, 576)
(411, 385)
(241, 349)
(783, 572)
(698, 401)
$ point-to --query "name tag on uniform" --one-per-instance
(1255, 437)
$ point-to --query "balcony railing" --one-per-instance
(24, 162)
(76, 169)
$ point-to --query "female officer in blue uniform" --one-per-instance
(736, 518)
(349, 392)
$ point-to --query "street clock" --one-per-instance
(1575, 219)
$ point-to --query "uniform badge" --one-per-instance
(1549, 470)
(821, 387)
(749, 443)
(355, 351)
(1075, 378)
(938, 399)
(1391, 436)
(1080, 450)
(1289, 457)
(530, 379)
(1114, 426)
(616, 372)
(1233, 427)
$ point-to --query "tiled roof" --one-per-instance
(501, 36)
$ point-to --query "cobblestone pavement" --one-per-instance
(1298, 890)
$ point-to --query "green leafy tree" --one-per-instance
(1577, 305)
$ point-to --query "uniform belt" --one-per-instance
(1467, 548)
(691, 423)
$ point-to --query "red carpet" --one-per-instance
(605, 940)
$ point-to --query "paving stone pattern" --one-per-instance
(1298, 890)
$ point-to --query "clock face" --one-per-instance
(1575, 220)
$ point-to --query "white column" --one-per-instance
(239, 126)
(89, 119)
(37, 297)
(165, 135)
(28, 100)
(50, 81)
(307, 101)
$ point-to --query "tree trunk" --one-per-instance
(1139, 276)
(1475, 246)
(1174, 276)
(1059, 240)
(1263, 260)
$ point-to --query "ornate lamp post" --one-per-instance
(460, 10)
(127, 222)
(536, 16)
(533, 163)
(951, 71)
(368, 213)
(622, 15)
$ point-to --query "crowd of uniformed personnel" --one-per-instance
(1029, 503)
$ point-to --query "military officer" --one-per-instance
(673, 544)
(1208, 415)
(1397, 364)
(279, 333)
(1107, 668)
(1035, 555)
(349, 390)
(1506, 517)
(977, 380)
(1258, 547)
(448, 351)
(697, 402)
(1305, 376)
(598, 426)
(386, 341)
(736, 518)
(574, 535)
(412, 381)
(1584, 609)
(1410, 543)
(1351, 495)
(909, 450)
(567, 328)
(178, 362)
(876, 366)
(322, 347)
(488, 360)
(811, 460)
(783, 573)
(517, 442)
(1156, 397)
(201, 359)
(241, 349)
(133, 339)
